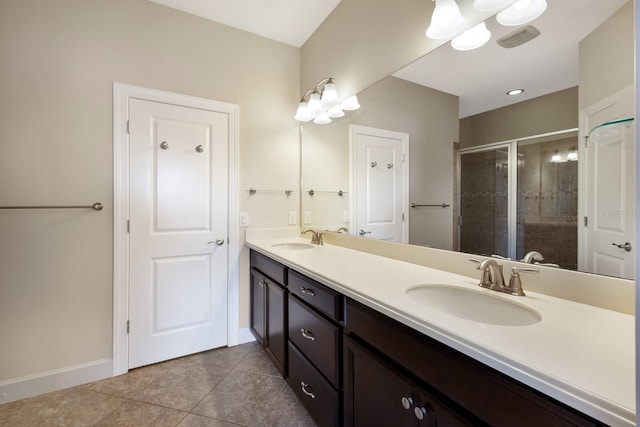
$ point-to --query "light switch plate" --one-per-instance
(292, 217)
(244, 219)
(307, 217)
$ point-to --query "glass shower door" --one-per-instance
(484, 201)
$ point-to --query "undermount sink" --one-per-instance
(296, 246)
(477, 306)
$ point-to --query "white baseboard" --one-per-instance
(46, 382)
(245, 335)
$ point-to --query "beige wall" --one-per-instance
(607, 58)
(549, 113)
(59, 62)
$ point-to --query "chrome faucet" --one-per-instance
(493, 279)
(491, 274)
(532, 256)
(316, 236)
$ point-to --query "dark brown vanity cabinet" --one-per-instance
(269, 308)
(315, 348)
(378, 395)
(473, 392)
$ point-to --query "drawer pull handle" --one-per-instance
(307, 291)
(304, 386)
(419, 413)
(308, 335)
(261, 284)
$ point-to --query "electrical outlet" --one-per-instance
(307, 217)
(292, 217)
(244, 219)
(346, 216)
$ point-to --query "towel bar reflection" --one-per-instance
(96, 207)
(441, 205)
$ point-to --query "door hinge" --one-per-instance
(460, 221)
(128, 226)
(127, 326)
(127, 126)
(586, 221)
(403, 217)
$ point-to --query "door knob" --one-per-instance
(218, 242)
(626, 246)
(362, 232)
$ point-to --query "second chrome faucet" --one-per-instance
(492, 277)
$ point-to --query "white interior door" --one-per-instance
(178, 230)
(609, 193)
(379, 183)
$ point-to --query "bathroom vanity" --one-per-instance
(361, 344)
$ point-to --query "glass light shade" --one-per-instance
(303, 115)
(329, 95)
(350, 103)
(491, 5)
(556, 157)
(446, 20)
(336, 111)
(521, 12)
(322, 118)
(472, 39)
(573, 155)
(315, 105)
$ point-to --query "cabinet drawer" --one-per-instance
(316, 337)
(316, 294)
(315, 393)
(271, 268)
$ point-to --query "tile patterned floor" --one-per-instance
(225, 387)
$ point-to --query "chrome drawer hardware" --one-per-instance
(407, 402)
(199, 149)
(419, 413)
(164, 145)
(309, 292)
(304, 386)
(374, 164)
(308, 335)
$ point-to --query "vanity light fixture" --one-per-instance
(446, 21)
(572, 156)
(491, 5)
(473, 38)
(555, 158)
(521, 12)
(321, 103)
(514, 92)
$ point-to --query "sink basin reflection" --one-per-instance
(293, 246)
(473, 305)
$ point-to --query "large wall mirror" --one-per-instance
(453, 110)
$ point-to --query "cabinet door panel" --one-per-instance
(374, 393)
(276, 326)
(258, 320)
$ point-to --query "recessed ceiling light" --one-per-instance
(515, 92)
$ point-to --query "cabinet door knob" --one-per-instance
(307, 334)
(407, 402)
(419, 413)
(304, 387)
(308, 292)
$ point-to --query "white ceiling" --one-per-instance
(480, 78)
(287, 21)
(544, 65)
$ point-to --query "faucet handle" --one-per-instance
(515, 283)
(485, 280)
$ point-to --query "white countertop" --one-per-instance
(581, 355)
